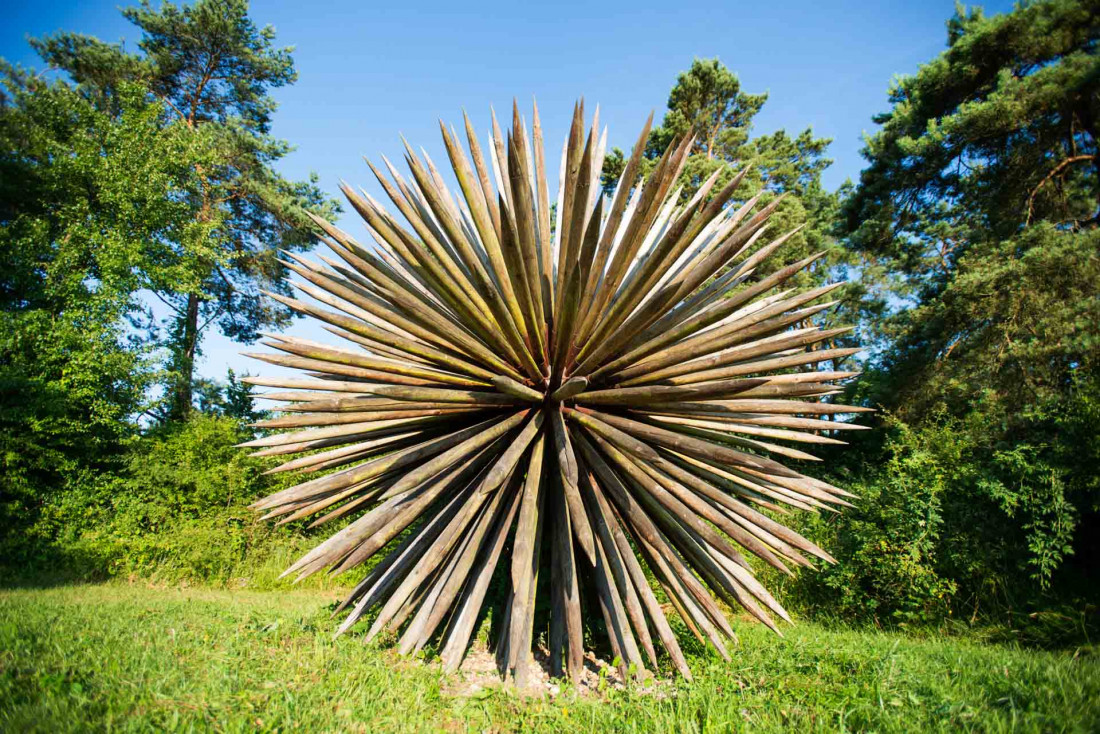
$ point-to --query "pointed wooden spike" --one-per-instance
(617, 384)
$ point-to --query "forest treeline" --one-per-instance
(141, 207)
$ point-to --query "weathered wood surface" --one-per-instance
(607, 398)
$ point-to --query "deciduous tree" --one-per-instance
(212, 70)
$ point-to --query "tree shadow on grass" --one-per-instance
(48, 566)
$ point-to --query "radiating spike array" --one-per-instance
(601, 397)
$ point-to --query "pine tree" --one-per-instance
(980, 201)
(212, 69)
(985, 176)
(708, 102)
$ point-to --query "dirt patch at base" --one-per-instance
(479, 673)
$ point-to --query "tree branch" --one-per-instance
(1054, 172)
(160, 298)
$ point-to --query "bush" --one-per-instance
(176, 512)
(887, 545)
(950, 521)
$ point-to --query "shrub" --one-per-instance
(950, 520)
(176, 512)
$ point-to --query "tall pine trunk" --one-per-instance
(186, 347)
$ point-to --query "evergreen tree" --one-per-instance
(211, 69)
(240, 401)
(232, 398)
(980, 200)
(996, 133)
(707, 101)
(981, 197)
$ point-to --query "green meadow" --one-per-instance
(134, 658)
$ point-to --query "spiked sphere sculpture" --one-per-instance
(597, 398)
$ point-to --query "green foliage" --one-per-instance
(888, 545)
(111, 188)
(173, 507)
(83, 193)
(1009, 330)
(210, 69)
(707, 101)
(112, 656)
(233, 398)
(997, 132)
(181, 511)
(953, 519)
(976, 222)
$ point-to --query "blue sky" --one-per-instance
(368, 71)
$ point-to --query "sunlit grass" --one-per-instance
(133, 658)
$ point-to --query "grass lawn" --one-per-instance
(133, 658)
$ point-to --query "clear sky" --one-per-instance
(368, 71)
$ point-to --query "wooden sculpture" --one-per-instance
(590, 391)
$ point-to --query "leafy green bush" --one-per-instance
(176, 512)
(887, 545)
(953, 521)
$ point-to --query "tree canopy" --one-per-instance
(979, 207)
(83, 193)
(980, 199)
(212, 70)
(998, 132)
(708, 102)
